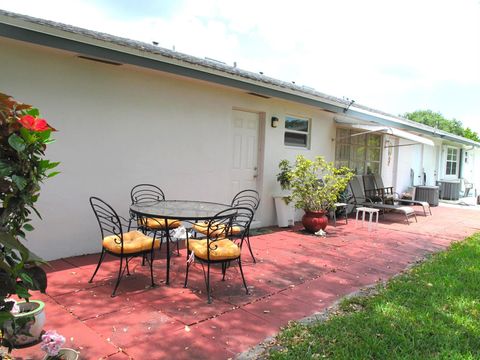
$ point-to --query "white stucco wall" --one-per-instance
(120, 125)
(408, 158)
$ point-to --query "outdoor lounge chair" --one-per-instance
(375, 192)
(395, 198)
(360, 199)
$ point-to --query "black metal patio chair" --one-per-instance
(117, 242)
(151, 193)
(218, 247)
(246, 198)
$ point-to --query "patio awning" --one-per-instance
(387, 130)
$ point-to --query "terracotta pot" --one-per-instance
(315, 220)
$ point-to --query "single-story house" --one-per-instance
(129, 112)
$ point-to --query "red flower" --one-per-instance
(32, 123)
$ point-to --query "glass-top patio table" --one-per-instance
(180, 210)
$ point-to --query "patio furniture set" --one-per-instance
(214, 233)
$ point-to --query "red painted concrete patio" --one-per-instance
(296, 275)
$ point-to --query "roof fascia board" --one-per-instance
(75, 46)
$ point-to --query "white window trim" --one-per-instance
(365, 161)
(451, 176)
(307, 133)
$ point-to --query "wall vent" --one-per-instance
(259, 95)
(99, 60)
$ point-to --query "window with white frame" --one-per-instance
(297, 131)
(359, 151)
(451, 167)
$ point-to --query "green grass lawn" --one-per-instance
(431, 312)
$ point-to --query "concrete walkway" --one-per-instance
(296, 275)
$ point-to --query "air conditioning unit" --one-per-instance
(428, 194)
(449, 190)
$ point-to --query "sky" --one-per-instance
(395, 56)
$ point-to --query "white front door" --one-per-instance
(244, 171)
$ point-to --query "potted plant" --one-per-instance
(283, 202)
(24, 137)
(26, 326)
(52, 343)
(316, 186)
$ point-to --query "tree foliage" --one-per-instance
(437, 120)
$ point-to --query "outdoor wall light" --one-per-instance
(275, 121)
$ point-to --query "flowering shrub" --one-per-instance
(24, 137)
(51, 343)
(23, 140)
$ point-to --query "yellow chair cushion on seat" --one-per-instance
(224, 249)
(158, 223)
(133, 242)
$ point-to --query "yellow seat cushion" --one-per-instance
(201, 227)
(158, 223)
(133, 242)
(224, 249)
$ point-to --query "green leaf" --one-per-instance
(52, 174)
(44, 136)
(38, 277)
(22, 291)
(5, 316)
(11, 243)
(32, 111)
(17, 142)
(26, 279)
(5, 169)
(47, 165)
(27, 135)
(20, 181)
(28, 227)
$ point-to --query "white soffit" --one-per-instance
(392, 131)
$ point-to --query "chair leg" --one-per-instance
(102, 256)
(249, 247)
(224, 270)
(126, 265)
(186, 272)
(207, 282)
(151, 264)
(119, 275)
(241, 272)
